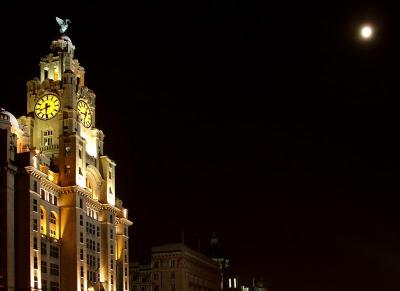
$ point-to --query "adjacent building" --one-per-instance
(62, 226)
(175, 267)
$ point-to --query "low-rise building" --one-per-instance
(175, 267)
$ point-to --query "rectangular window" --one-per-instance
(111, 233)
(111, 264)
(82, 272)
(81, 255)
(55, 74)
(43, 248)
(54, 286)
(35, 186)
(34, 205)
(35, 281)
(80, 203)
(98, 231)
(35, 225)
(81, 220)
(54, 251)
(111, 249)
(44, 267)
(54, 269)
(55, 201)
(42, 194)
(44, 285)
(35, 262)
(35, 243)
(81, 237)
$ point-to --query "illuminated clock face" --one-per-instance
(47, 106)
(85, 113)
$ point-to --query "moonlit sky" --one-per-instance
(271, 124)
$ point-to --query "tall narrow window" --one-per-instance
(34, 224)
(47, 137)
(34, 205)
(35, 186)
(53, 225)
(55, 73)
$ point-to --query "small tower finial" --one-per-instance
(63, 24)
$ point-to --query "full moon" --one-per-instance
(366, 32)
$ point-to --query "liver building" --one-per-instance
(61, 225)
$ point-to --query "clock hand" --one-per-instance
(46, 106)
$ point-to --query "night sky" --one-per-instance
(270, 124)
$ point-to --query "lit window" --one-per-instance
(55, 73)
(53, 225)
(42, 220)
(52, 218)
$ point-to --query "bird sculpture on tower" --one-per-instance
(63, 24)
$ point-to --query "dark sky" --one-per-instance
(270, 124)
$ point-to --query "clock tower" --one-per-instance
(71, 185)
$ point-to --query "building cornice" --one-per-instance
(122, 220)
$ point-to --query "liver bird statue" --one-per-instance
(63, 24)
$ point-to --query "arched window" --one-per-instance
(53, 218)
(53, 225)
(43, 220)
